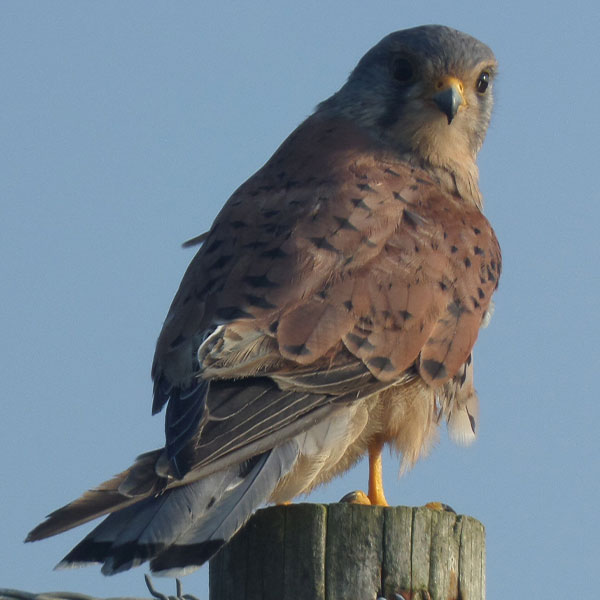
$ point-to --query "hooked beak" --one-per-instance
(450, 97)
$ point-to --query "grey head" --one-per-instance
(426, 92)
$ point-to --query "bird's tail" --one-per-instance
(177, 529)
(125, 488)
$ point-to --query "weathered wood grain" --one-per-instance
(352, 552)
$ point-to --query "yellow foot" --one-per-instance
(376, 495)
(357, 497)
(439, 506)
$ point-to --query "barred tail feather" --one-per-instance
(224, 519)
(124, 489)
(180, 529)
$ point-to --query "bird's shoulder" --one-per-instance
(335, 240)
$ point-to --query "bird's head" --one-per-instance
(426, 91)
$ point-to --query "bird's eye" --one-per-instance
(482, 82)
(402, 70)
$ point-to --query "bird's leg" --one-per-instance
(376, 495)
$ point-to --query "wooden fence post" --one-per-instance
(352, 552)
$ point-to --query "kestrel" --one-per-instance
(331, 309)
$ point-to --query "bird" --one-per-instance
(330, 312)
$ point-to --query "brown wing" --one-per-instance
(369, 265)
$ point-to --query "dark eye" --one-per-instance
(402, 70)
(482, 82)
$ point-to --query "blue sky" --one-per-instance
(124, 128)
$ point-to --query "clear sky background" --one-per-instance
(124, 127)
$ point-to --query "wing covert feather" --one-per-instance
(373, 258)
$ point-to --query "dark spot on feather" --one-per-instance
(259, 281)
(177, 341)
(478, 250)
(475, 303)
(445, 235)
(360, 203)
(400, 197)
(381, 363)
(360, 342)
(274, 253)
(414, 188)
(207, 287)
(259, 301)
(221, 261)
(366, 321)
(476, 230)
(490, 275)
(456, 309)
(211, 502)
(443, 286)
(213, 246)
(275, 229)
(255, 244)
(323, 244)
(410, 219)
(345, 224)
(348, 305)
(322, 294)
(472, 421)
(364, 187)
(423, 181)
(273, 326)
(299, 350)
(467, 262)
(453, 249)
(469, 360)
(271, 213)
(435, 369)
(481, 293)
(392, 172)
(229, 313)
(404, 314)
